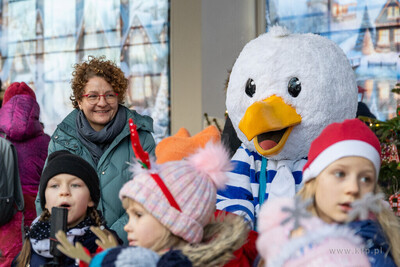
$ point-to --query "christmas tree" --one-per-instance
(388, 133)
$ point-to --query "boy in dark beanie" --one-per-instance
(71, 182)
(65, 162)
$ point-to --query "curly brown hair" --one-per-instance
(97, 67)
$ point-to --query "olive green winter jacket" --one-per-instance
(112, 168)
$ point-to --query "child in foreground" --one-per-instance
(342, 168)
(171, 214)
(171, 210)
(67, 181)
(289, 236)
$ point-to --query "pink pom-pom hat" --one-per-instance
(182, 194)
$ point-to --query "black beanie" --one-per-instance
(63, 161)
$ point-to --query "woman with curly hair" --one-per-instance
(98, 131)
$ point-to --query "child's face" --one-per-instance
(342, 182)
(66, 190)
(143, 229)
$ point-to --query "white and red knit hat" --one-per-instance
(181, 194)
(350, 138)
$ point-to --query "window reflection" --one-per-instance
(42, 39)
(367, 31)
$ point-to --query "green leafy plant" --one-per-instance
(388, 133)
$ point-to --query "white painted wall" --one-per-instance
(227, 25)
(186, 65)
(206, 38)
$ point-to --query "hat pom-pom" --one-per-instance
(212, 160)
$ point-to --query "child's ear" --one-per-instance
(90, 203)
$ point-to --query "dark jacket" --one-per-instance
(174, 258)
(139, 256)
(87, 240)
(376, 244)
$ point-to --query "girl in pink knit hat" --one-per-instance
(290, 236)
(171, 210)
(341, 177)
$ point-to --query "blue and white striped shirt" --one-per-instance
(241, 195)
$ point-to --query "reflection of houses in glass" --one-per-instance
(41, 40)
(317, 5)
(365, 40)
(317, 19)
(388, 27)
(381, 101)
(384, 90)
(343, 10)
(144, 48)
(351, 24)
(386, 99)
(368, 86)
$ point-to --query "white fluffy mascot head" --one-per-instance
(285, 88)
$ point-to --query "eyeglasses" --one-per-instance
(110, 98)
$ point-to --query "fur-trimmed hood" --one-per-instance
(224, 235)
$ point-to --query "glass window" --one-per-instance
(390, 12)
(397, 36)
(384, 37)
(365, 32)
(43, 39)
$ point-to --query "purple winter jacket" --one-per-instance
(19, 120)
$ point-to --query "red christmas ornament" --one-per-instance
(394, 201)
(390, 152)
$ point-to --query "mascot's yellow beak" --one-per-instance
(269, 123)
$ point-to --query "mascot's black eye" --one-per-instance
(250, 87)
(294, 87)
